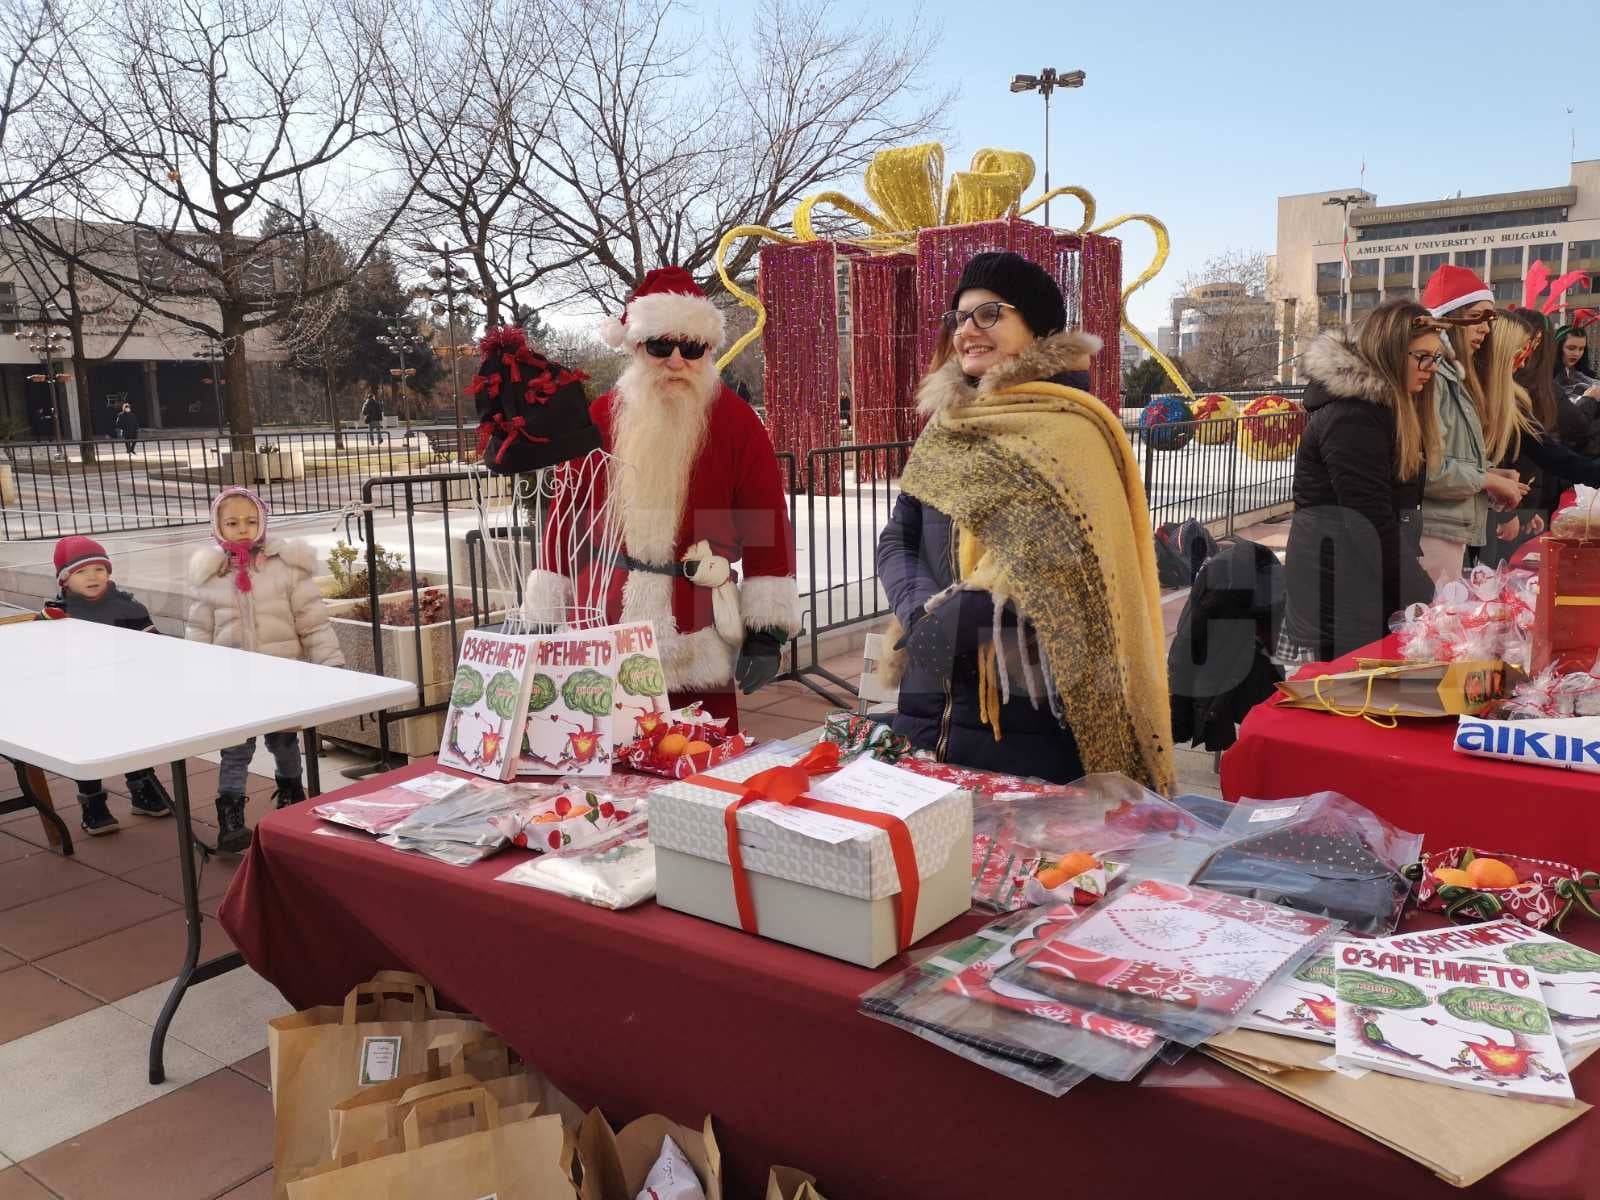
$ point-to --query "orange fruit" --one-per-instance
(697, 748)
(1050, 878)
(1451, 877)
(1491, 873)
(1077, 863)
(672, 745)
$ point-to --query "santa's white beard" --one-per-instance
(656, 434)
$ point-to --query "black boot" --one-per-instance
(232, 835)
(290, 791)
(150, 799)
(97, 818)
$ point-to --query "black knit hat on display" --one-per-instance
(1024, 285)
(532, 412)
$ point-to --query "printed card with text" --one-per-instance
(640, 700)
(488, 704)
(569, 726)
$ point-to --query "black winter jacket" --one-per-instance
(917, 558)
(127, 424)
(1352, 556)
(116, 607)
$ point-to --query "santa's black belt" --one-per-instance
(626, 562)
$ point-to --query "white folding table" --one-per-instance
(90, 701)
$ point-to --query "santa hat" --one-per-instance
(1450, 288)
(667, 303)
(76, 552)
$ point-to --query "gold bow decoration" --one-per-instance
(904, 184)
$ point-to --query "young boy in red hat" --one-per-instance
(83, 573)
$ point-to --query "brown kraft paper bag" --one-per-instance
(322, 1055)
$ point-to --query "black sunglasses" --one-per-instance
(663, 348)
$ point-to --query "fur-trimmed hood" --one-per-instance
(211, 561)
(1337, 372)
(1046, 358)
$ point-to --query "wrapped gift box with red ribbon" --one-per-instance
(1566, 621)
(856, 863)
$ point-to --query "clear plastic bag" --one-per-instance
(457, 830)
(978, 1003)
(573, 813)
(887, 1002)
(1184, 961)
(1486, 615)
(619, 871)
(1323, 854)
(1107, 816)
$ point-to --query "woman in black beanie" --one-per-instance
(1018, 558)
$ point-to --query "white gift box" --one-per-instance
(816, 882)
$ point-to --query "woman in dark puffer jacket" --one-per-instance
(1359, 473)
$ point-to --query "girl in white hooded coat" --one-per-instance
(256, 593)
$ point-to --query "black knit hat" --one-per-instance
(532, 412)
(1020, 283)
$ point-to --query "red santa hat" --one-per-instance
(76, 552)
(667, 303)
(1450, 288)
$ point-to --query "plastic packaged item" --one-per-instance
(574, 813)
(1185, 961)
(977, 1002)
(682, 743)
(457, 829)
(1487, 615)
(1323, 854)
(1125, 828)
(888, 1000)
(616, 872)
(377, 812)
(671, 1177)
(1580, 520)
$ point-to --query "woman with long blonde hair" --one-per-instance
(1463, 482)
(1359, 475)
(1519, 385)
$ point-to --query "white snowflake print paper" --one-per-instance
(1190, 947)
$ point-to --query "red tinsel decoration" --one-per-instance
(1100, 312)
(798, 286)
(883, 357)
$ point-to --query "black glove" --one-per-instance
(960, 625)
(760, 659)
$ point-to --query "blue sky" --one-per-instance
(1203, 114)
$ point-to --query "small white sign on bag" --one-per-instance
(1570, 743)
(380, 1060)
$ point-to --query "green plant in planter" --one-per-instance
(347, 564)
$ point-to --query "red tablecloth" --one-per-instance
(1413, 776)
(649, 1010)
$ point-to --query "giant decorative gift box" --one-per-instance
(855, 863)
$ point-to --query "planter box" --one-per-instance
(271, 466)
(525, 550)
(8, 484)
(435, 670)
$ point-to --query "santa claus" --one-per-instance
(693, 486)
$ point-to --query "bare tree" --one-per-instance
(66, 293)
(661, 146)
(1235, 342)
(36, 153)
(226, 127)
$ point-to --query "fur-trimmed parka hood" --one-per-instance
(211, 561)
(1046, 358)
(1337, 372)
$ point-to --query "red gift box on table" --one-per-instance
(1566, 626)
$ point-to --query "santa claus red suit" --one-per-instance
(693, 486)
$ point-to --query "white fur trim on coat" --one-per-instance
(546, 597)
(668, 314)
(283, 614)
(691, 661)
(771, 602)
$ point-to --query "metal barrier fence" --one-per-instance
(47, 490)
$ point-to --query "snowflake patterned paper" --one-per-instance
(1194, 956)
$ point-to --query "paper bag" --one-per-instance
(1461, 1136)
(786, 1183)
(509, 1159)
(614, 1165)
(322, 1055)
(1382, 691)
(1566, 620)
(375, 1113)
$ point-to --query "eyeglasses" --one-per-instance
(1426, 360)
(982, 316)
(663, 348)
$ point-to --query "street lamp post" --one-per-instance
(1045, 82)
(445, 284)
(398, 338)
(1344, 203)
(46, 342)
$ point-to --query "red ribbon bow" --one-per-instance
(787, 785)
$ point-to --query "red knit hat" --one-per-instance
(1450, 288)
(667, 303)
(76, 552)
